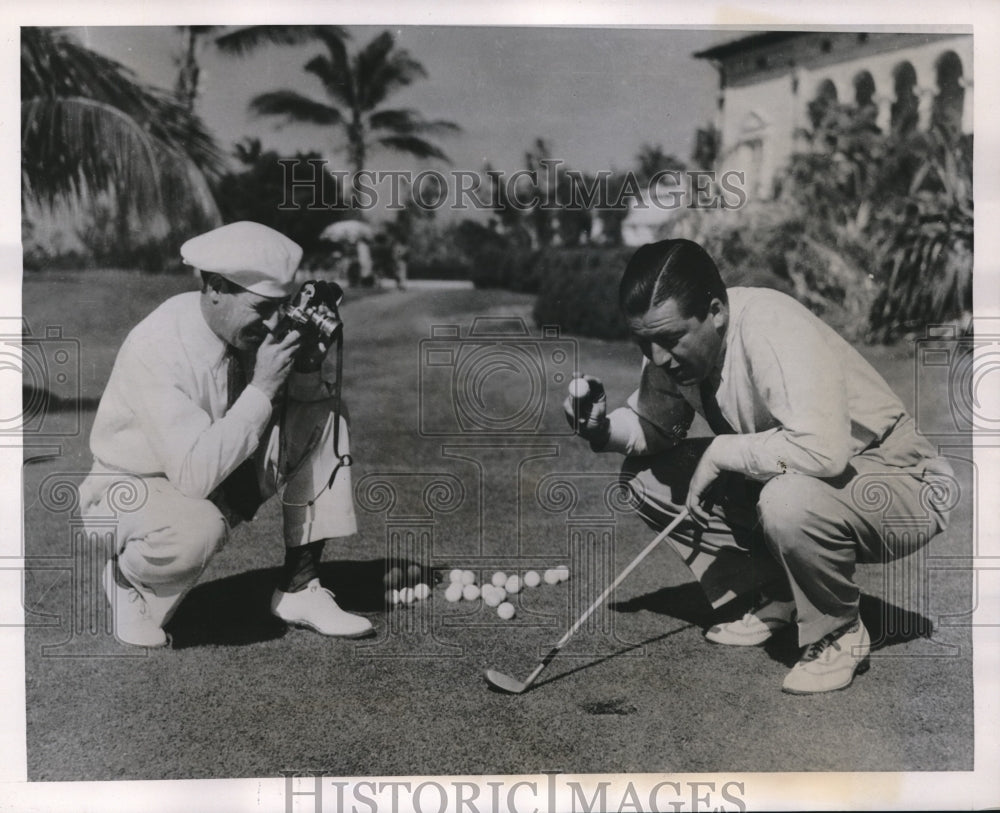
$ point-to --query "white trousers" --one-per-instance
(165, 543)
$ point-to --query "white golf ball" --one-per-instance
(455, 576)
(468, 577)
(470, 592)
(421, 591)
(506, 611)
(392, 597)
(499, 579)
(454, 592)
(532, 579)
(551, 577)
(406, 595)
(513, 584)
(491, 596)
(562, 573)
(579, 388)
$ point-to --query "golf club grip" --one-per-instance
(607, 592)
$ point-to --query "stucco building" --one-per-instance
(773, 85)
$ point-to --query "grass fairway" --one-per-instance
(637, 691)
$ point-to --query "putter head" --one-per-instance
(505, 683)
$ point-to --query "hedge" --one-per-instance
(578, 290)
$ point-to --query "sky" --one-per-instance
(594, 94)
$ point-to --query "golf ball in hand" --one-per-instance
(506, 611)
(454, 592)
(532, 579)
(579, 388)
(470, 592)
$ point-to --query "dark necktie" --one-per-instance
(241, 489)
(713, 414)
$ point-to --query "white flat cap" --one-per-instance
(250, 255)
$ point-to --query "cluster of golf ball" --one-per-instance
(405, 589)
(462, 585)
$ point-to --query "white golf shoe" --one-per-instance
(831, 662)
(131, 616)
(314, 607)
(755, 627)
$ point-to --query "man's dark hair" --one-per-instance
(671, 269)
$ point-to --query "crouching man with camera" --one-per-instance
(218, 400)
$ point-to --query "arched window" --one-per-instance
(864, 99)
(946, 114)
(905, 108)
(823, 103)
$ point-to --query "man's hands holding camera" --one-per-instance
(586, 410)
(296, 343)
(275, 358)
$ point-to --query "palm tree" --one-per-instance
(357, 86)
(651, 159)
(90, 129)
(238, 41)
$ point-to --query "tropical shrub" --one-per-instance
(578, 290)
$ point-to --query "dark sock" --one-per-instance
(778, 591)
(301, 566)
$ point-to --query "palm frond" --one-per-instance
(241, 41)
(380, 74)
(294, 107)
(413, 145)
(335, 75)
(77, 147)
(53, 65)
(405, 121)
(375, 53)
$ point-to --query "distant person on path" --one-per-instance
(399, 258)
(802, 423)
(208, 413)
(366, 268)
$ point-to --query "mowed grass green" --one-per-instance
(637, 691)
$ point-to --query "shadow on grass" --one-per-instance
(888, 625)
(236, 611)
(684, 601)
(619, 653)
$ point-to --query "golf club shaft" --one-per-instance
(607, 592)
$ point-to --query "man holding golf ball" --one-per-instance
(803, 426)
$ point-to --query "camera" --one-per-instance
(314, 313)
(496, 380)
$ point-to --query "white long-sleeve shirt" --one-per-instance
(163, 411)
(797, 395)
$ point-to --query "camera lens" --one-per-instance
(326, 324)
